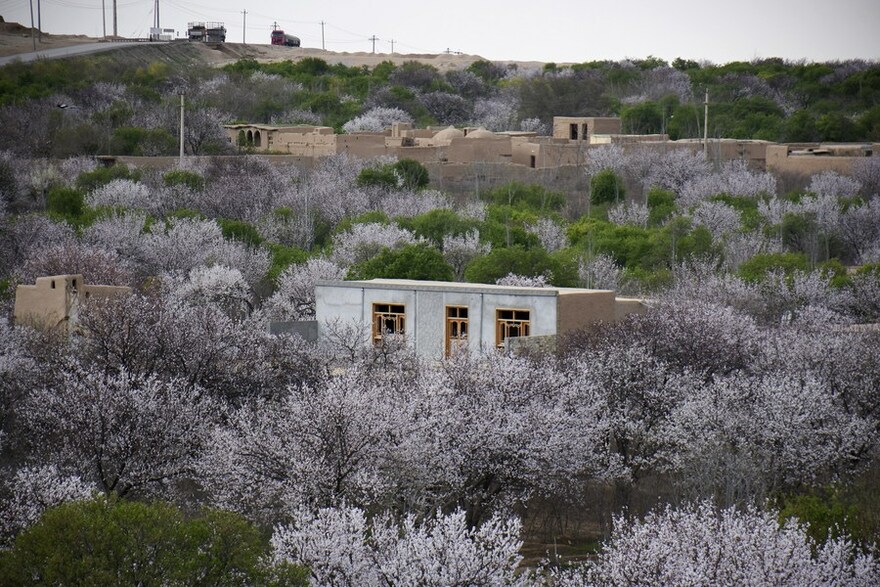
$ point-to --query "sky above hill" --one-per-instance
(553, 30)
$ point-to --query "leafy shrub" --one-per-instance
(661, 205)
(113, 542)
(283, 257)
(240, 231)
(90, 180)
(436, 224)
(142, 142)
(517, 260)
(382, 177)
(190, 179)
(606, 186)
(756, 268)
(413, 174)
(418, 261)
(528, 197)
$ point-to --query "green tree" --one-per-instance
(756, 268)
(106, 541)
(642, 119)
(661, 205)
(240, 231)
(501, 261)
(190, 179)
(91, 180)
(606, 187)
(413, 175)
(522, 196)
(410, 262)
(141, 141)
(436, 224)
(377, 177)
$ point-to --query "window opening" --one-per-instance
(388, 319)
(511, 324)
(457, 328)
(573, 131)
(532, 162)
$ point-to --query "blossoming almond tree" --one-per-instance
(342, 547)
(127, 436)
(701, 545)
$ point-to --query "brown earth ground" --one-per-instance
(16, 39)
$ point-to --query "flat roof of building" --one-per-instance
(480, 288)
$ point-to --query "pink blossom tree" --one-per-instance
(343, 547)
(127, 435)
(701, 545)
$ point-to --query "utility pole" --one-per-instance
(181, 126)
(392, 46)
(706, 125)
(39, 23)
(374, 38)
(115, 29)
(104, 17)
(322, 35)
(243, 26)
(157, 31)
(33, 38)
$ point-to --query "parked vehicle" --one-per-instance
(279, 37)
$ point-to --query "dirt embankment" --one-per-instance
(16, 39)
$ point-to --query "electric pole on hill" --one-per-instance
(34, 38)
(156, 26)
(322, 36)
(374, 38)
(115, 30)
(243, 25)
(706, 126)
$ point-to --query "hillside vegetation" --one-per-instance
(729, 435)
(137, 87)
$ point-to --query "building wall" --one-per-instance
(46, 304)
(549, 153)
(578, 310)
(425, 309)
(54, 302)
(784, 159)
(586, 127)
(469, 150)
(361, 145)
(623, 307)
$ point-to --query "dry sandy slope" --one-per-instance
(16, 39)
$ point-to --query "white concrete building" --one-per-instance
(438, 317)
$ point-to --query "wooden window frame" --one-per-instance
(456, 343)
(502, 325)
(382, 311)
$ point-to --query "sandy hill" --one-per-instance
(16, 39)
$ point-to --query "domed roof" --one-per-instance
(481, 133)
(447, 134)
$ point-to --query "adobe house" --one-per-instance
(582, 128)
(54, 302)
(438, 317)
(811, 158)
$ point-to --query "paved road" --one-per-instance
(71, 51)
